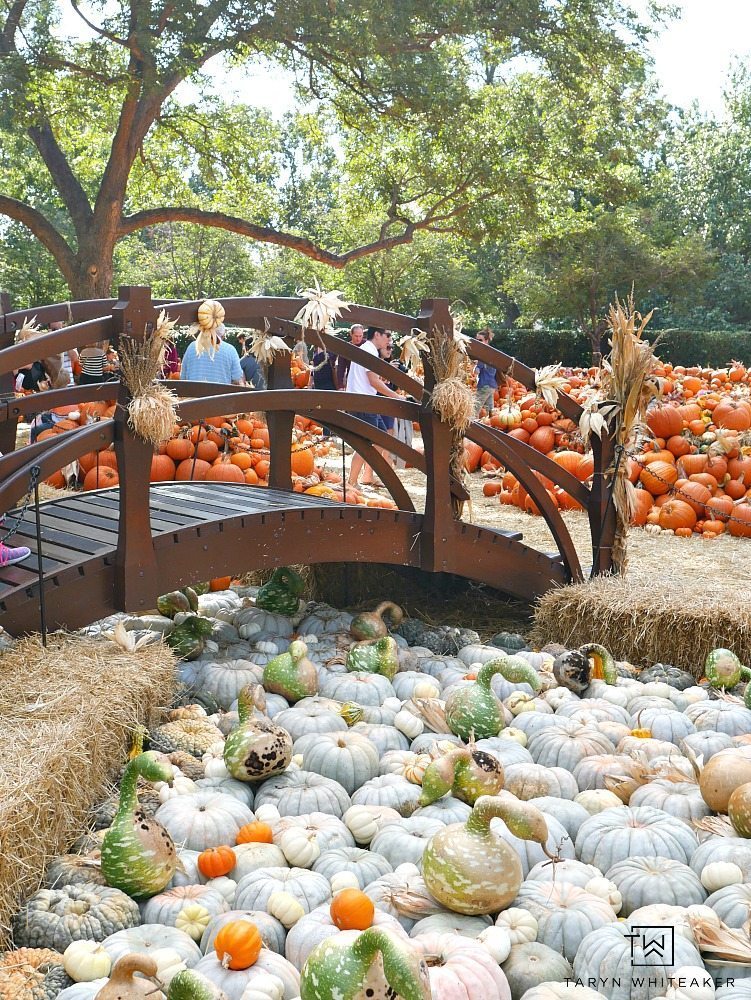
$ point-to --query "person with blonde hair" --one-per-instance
(209, 358)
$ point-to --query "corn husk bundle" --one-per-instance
(29, 328)
(627, 386)
(716, 941)
(151, 410)
(263, 345)
(412, 347)
(206, 330)
(432, 711)
(718, 826)
(548, 383)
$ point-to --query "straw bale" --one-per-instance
(645, 621)
(67, 715)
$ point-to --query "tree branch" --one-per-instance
(69, 186)
(44, 231)
(265, 234)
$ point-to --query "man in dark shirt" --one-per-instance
(487, 382)
(252, 371)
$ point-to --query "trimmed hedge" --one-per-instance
(710, 348)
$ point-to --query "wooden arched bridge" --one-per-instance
(117, 549)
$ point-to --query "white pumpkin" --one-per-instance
(719, 874)
(595, 800)
(408, 723)
(215, 767)
(616, 834)
(254, 856)
(343, 880)
(365, 866)
(300, 791)
(285, 907)
(405, 840)
(497, 940)
(520, 924)
(364, 822)
(309, 888)
(148, 938)
(299, 846)
(85, 961)
(204, 819)
(348, 758)
(267, 813)
(460, 967)
(643, 881)
(388, 790)
(328, 831)
(193, 920)
(225, 887)
(234, 983)
(607, 890)
(166, 906)
(691, 982)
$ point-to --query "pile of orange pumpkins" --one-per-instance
(218, 449)
(692, 473)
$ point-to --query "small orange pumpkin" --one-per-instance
(255, 833)
(216, 861)
(352, 910)
(238, 944)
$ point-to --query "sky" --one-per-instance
(694, 53)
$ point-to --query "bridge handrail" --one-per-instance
(56, 342)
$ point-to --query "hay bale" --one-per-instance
(646, 620)
(68, 713)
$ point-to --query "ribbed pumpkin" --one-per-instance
(740, 523)
(100, 478)
(665, 420)
(695, 495)
(732, 414)
(720, 508)
(179, 449)
(643, 501)
(352, 910)
(691, 464)
(676, 514)
(224, 472)
(192, 469)
(658, 477)
(542, 439)
(238, 944)
(162, 469)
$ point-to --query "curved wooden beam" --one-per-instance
(318, 401)
(100, 392)
(50, 455)
(47, 344)
(539, 494)
(58, 312)
(536, 460)
(511, 366)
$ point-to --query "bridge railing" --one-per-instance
(134, 313)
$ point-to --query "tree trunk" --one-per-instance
(94, 268)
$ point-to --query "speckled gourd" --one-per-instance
(603, 666)
(189, 985)
(138, 855)
(282, 592)
(257, 749)
(474, 712)
(464, 772)
(354, 965)
(292, 674)
(370, 624)
(470, 869)
(374, 656)
(723, 669)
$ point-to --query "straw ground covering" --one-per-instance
(67, 713)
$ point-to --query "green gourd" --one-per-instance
(282, 592)
(346, 967)
(374, 656)
(190, 985)
(370, 624)
(474, 712)
(189, 637)
(464, 772)
(723, 669)
(472, 870)
(257, 748)
(138, 856)
(292, 674)
(603, 666)
(172, 604)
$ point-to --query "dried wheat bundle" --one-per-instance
(452, 401)
(151, 416)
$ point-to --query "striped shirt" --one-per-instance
(92, 362)
(224, 367)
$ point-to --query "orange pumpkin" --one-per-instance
(162, 469)
(693, 464)
(100, 478)
(194, 469)
(216, 861)
(735, 489)
(542, 439)
(740, 523)
(716, 527)
(720, 508)
(302, 461)
(255, 833)
(677, 514)
(220, 583)
(665, 420)
(207, 451)
(695, 495)
(732, 414)
(224, 472)
(179, 449)
(683, 532)
(352, 910)
(643, 507)
(658, 477)
(238, 944)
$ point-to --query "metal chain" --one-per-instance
(34, 476)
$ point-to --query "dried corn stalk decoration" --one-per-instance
(627, 386)
(412, 347)
(263, 345)
(548, 383)
(206, 330)
(717, 941)
(29, 328)
(321, 310)
(151, 410)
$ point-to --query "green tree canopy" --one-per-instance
(421, 119)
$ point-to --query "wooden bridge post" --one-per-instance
(8, 428)
(438, 520)
(602, 519)
(136, 587)
(280, 424)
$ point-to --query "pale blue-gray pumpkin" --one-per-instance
(291, 674)
(345, 967)
(138, 855)
(257, 748)
(470, 869)
(282, 592)
(374, 656)
(473, 711)
(464, 772)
